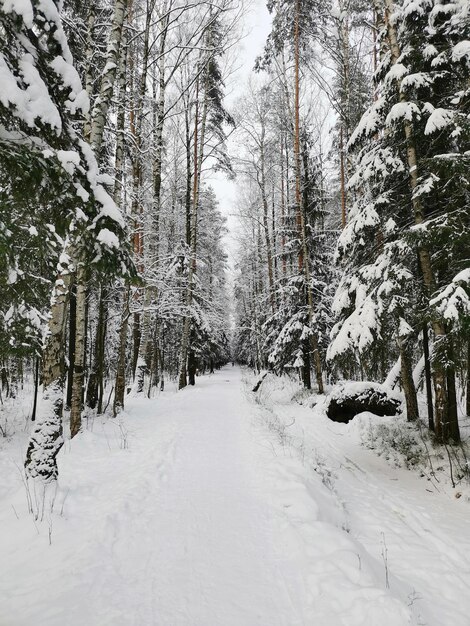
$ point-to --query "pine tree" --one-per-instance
(409, 220)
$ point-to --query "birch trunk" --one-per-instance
(89, 70)
(46, 438)
(79, 356)
(100, 109)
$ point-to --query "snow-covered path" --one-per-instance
(185, 513)
(196, 544)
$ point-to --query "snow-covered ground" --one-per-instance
(218, 507)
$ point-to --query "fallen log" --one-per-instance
(258, 384)
(349, 399)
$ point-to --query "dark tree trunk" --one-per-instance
(453, 420)
(95, 383)
(120, 389)
(71, 352)
(428, 377)
(136, 335)
(468, 377)
(306, 375)
(192, 366)
(406, 376)
(36, 388)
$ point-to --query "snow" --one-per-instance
(357, 388)
(430, 51)
(404, 329)
(461, 51)
(417, 80)
(396, 73)
(79, 100)
(69, 160)
(205, 508)
(402, 110)
(22, 8)
(420, 524)
(453, 302)
(439, 119)
(37, 101)
(108, 238)
(369, 122)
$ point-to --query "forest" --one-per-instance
(197, 190)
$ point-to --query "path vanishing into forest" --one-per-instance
(184, 513)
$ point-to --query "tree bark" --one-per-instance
(262, 185)
(100, 108)
(36, 388)
(71, 350)
(94, 397)
(120, 386)
(46, 438)
(407, 382)
(79, 355)
(428, 377)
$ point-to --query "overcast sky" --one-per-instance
(257, 24)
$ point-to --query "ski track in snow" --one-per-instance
(188, 512)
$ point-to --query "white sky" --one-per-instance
(257, 25)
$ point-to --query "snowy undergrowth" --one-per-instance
(400, 443)
(411, 523)
(410, 445)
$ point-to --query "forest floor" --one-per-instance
(215, 506)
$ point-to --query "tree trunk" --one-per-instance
(46, 438)
(306, 377)
(262, 186)
(192, 366)
(95, 383)
(428, 378)
(342, 179)
(79, 356)
(100, 108)
(89, 78)
(453, 432)
(120, 387)
(71, 350)
(406, 376)
(468, 379)
(36, 388)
